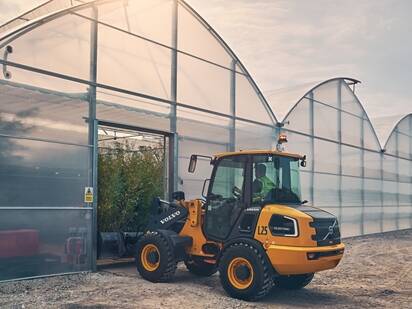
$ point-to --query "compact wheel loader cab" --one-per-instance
(253, 227)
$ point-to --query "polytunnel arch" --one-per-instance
(348, 101)
(332, 114)
(344, 172)
(399, 139)
(397, 174)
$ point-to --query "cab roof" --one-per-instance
(258, 152)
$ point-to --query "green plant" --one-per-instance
(130, 176)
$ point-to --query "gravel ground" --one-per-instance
(376, 271)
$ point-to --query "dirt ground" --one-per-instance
(376, 272)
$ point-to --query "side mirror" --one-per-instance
(205, 186)
(303, 161)
(192, 164)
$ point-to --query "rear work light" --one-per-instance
(281, 140)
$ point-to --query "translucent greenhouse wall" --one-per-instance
(151, 64)
(348, 174)
(398, 176)
(156, 64)
(44, 168)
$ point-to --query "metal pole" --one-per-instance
(171, 164)
(278, 131)
(232, 142)
(93, 132)
(166, 193)
(397, 176)
(339, 95)
(382, 157)
(174, 142)
(312, 146)
(362, 172)
(95, 186)
(410, 168)
(232, 125)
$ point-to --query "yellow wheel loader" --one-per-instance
(252, 227)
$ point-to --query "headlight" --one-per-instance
(283, 226)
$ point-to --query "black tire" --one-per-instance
(293, 282)
(259, 278)
(163, 269)
(200, 268)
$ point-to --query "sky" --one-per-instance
(285, 44)
(292, 44)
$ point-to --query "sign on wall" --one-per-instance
(88, 194)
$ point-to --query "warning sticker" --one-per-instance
(88, 195)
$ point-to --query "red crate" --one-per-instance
(16, 243)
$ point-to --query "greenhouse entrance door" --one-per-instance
(133, 169)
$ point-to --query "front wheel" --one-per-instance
(155, 258)
(245, 273)
(293, 282)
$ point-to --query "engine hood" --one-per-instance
(314, 212)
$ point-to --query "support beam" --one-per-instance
(232, 138)
(382, 158)
(278, 131)
(410, 169)
(340, 169)
(172, 158)
(93, 132)
(397, 171)
(174, 141)
(312, 146)
(362, 175)
(95, 186)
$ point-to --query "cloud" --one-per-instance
(287, 43)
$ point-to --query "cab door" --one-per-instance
(227, 196)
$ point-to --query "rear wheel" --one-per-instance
(244, 272)
(155, 259)
(293, 282)
(200, 268)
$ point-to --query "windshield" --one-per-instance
(275, 180)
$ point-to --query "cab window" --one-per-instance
(275, 180)
(226, 196)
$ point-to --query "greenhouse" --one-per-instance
(150, 81)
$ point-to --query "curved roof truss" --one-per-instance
(53, 9)
(25, 25)
(399, 141)
(335, 100)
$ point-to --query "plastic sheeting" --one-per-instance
(367, 188)
(44, 122)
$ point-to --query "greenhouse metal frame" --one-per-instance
(159, 66)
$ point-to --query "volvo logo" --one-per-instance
(330, 230)
(168, 218)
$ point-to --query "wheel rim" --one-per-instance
(240, 273)
(150, 257)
